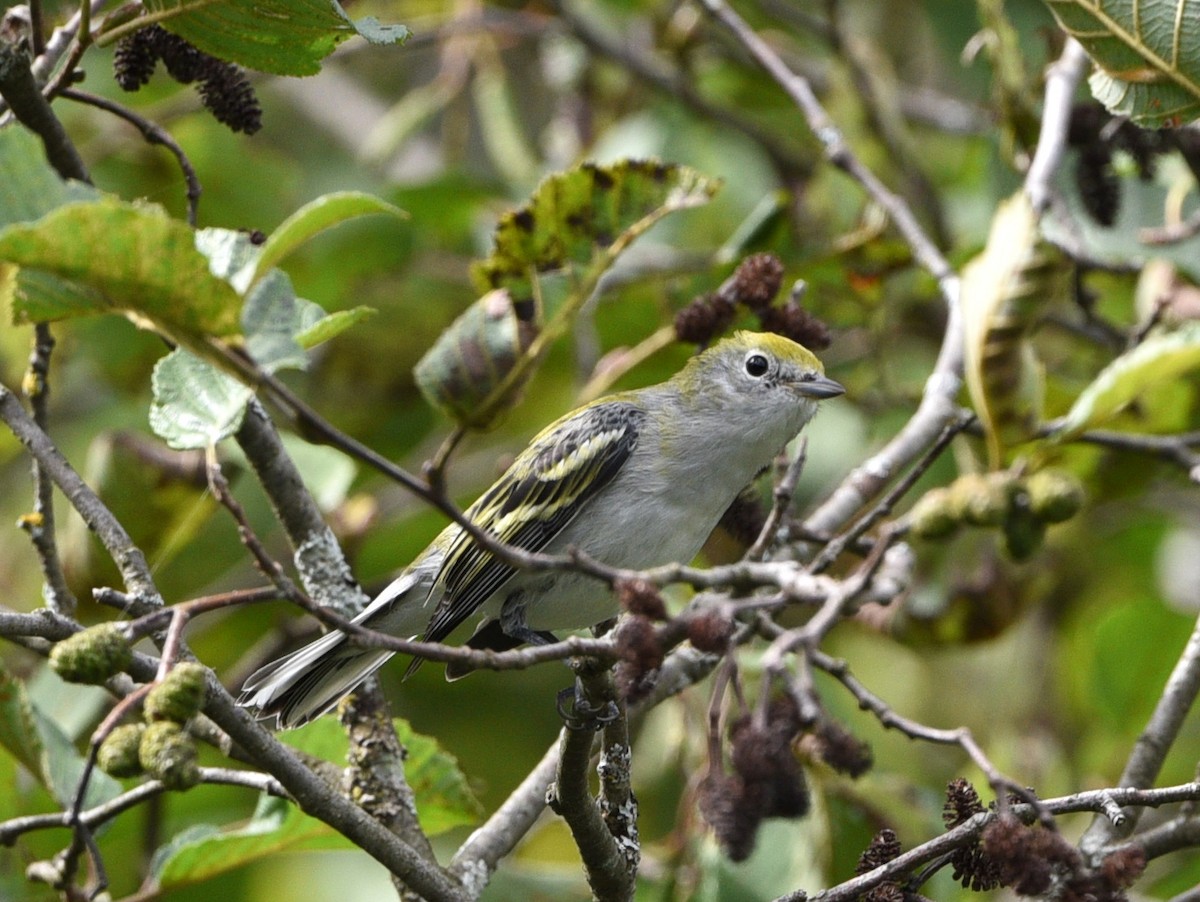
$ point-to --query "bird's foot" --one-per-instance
(580, 714)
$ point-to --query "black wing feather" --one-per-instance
(559, 473)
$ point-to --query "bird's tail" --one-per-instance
(308, 682)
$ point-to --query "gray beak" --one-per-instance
(820, 388)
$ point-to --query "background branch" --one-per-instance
(1150, 750)
(24, 98)
(42, 526)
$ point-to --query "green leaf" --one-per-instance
(31, 187)
(1160, 358)
(574, 216)
(195, 404)
(232, 255)
(18, 732)
(327, 472)
(473, 357)
(579, 222)
(204, 851)
(64, 767)
(442, 796)
(33, 296)
(1004, 291)
(283, 37)
(1150, 106)
(444, 799)
(134, 259)
(330, 325)
(31, 190)
(36, 741)
(315, 217)
(271, 319)
(1148, 54)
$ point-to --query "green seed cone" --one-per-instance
(92, 655)
(981, 499)
(1023, 531)
(179, 696)
(118, 754)
(934, 516)
(1054, 495)
(168, 753)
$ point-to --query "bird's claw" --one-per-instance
(580, 714)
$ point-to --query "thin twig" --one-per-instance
(837, 151)
(1183, 448)
(868, 69)
(128, 557)
(1062, 79)
(269, 567)
(658, 75)
(201, 605)
(938, 403)
(833, 550)
(154, 134)
(780, 502)
(93, 817)
(968, 832)
(83, 838)
(887, 716)
(41, 526)
(1155, 741)
(1172, 233)
(602, 381)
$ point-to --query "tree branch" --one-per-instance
(1150, 750)
(20, 91)
(376, 759)
(129, 558)
(93, 817)
(312, 794)
(967, 832)
(478, 857)
(41, 526)
(937, 407)
(837, 151)
(154, 134)
(610, 863)
(1061, 81)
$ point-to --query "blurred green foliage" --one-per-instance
(1055, 664)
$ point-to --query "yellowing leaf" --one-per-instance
(1160, 358)
(578, 222)
(573, 216)
(1003, 290)
(133, 259)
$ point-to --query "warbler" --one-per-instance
(635, 480)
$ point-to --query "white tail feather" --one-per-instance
(308, 682)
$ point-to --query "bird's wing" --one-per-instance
(543, 491)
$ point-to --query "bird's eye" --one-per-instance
(757, 365)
